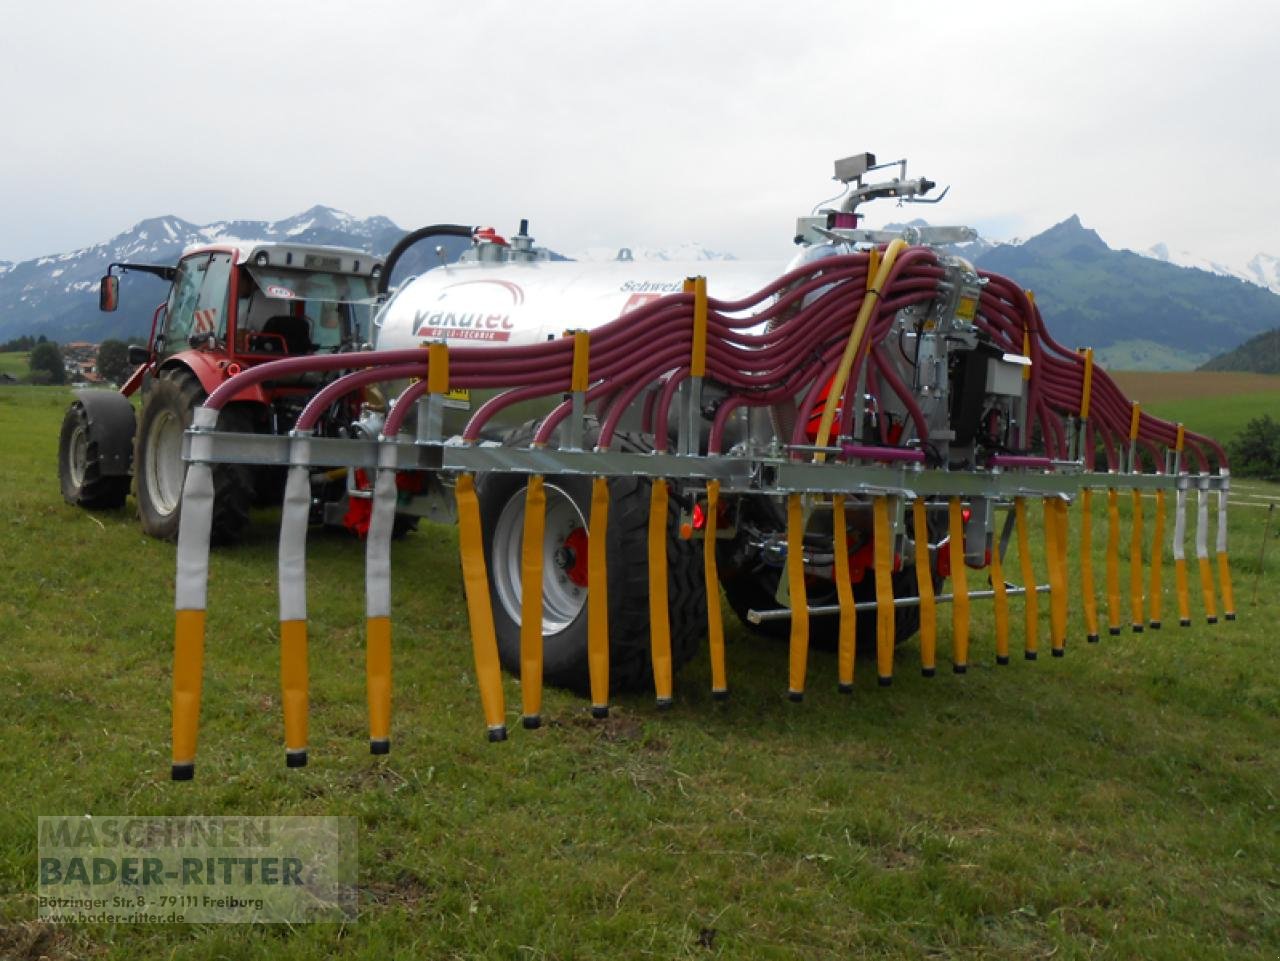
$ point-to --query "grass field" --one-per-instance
(15, 365)
(1118, 803)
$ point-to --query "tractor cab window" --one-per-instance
(299, 312)
(198, 301)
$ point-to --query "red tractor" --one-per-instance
(230, 306)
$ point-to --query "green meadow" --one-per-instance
(1120, 802)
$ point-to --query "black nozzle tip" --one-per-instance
(960, 668)
(295, 758)
(497, 734)
(720, 695)
(1113, 631)
(379, 745)
(1002, 659)
(795, 697)
(928, 671)
(1137, 628)
(1211, 619)
(884, 681)
(844, 688)
(1092, 638)
(663, 703)
(1059, 652)
(1184, 622)
(1030, 655)
(1154, 625)
(599, 712)
(1231, 616)
(183, 772)
(531, 722)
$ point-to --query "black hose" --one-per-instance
(411, 238)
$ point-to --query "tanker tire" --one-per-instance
(160, 471)
(747, 589)
(565, 643)
(79, 466)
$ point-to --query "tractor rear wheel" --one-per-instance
(161, 471)
(564, 618)
(79, 465)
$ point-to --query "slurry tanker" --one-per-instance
(841, 444)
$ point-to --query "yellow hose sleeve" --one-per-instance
(1184, 591)
(841, 379)
(1113, 561)
(924, 590)
(883, 562)
(1030, 607)
(598, 598)
(959, 589)
(1156, 600)
(188, 678)
(1206, 590)
(293, 688)
(711, 577)
(1224, 579)
(531, 557)
(659, 611)
(1057, 578)
(799, 650)
(475, 579)
(1088, 590)
(846, 648)
(1001, 602)
(377, 668)
(1135, 566)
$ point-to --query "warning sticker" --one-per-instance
(281, 293)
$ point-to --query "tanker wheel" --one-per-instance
(79, 465)
(161, 471)
(564, 614)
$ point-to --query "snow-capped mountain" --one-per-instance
(681, 253)
(1262, 269)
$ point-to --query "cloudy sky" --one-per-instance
(641, 123)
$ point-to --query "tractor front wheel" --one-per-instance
(161, 471)
(80, 468)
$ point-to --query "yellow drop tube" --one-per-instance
(841, 378)
(598, 598)
(959, 589)
(883, 562)
(1156, 600)
(1224, 567)
(1113, 561)
(377, 670)
(531, 556)
(799, 650)
(1135, 566)
(715, 622)
(659, 611)
(1057, 579)
(1001, 602)
(1087, 588)
(846, 648)
(293, 684)
(1030, 607)
(188, 674)
(484, 639)
(924, 589)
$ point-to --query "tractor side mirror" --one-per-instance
(138, 355)
(109, 293)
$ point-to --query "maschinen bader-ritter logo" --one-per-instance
(197, 869)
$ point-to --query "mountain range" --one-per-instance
(1155, 310)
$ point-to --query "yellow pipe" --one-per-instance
(847, 645)
(1001, 603)
(188, 677)
(1087, 392)
(580, 379)
(1087, 588)
(293, 686)
(1224, 567)
(377, 670)
(883, 560)
(659, 612)
(1156, 601)
(1030, 606)
(438, 368)
(924, 589)
(959, 589)
(799, 599)
(1135, 565)
(1206, 591)
(598, 598)
(475, 579)
(531, 555)
(698, 359)
(715, 622)
(1057, 579)
(1113, 561)
(851, 348)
